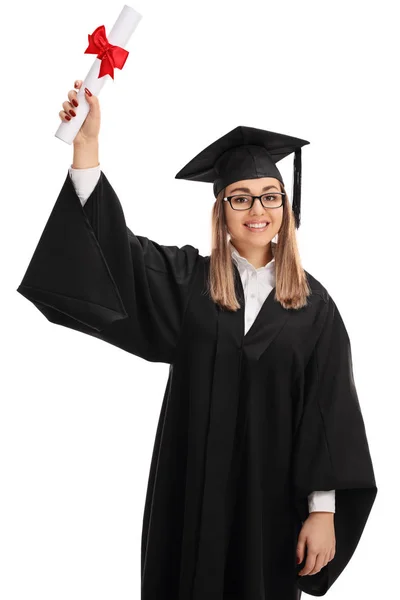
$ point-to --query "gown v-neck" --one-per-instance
(263, 308)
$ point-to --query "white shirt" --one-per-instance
(257, 284)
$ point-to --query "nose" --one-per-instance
(257, 208)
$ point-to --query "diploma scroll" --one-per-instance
(119, 36)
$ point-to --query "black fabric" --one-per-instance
(330, 444)
(249, 424)
(89, 272)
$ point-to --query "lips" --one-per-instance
(257, 229)
(256, 222)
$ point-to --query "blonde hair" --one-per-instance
(292, 288)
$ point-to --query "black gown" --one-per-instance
(249, 424)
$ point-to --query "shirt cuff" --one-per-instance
(84, 181)
(322, 501)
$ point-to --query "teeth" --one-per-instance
(256, 225)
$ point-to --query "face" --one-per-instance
(241, 234)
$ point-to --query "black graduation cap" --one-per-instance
(246, 153)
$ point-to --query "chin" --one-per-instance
(258, 239)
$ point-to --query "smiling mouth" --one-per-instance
(257, 226)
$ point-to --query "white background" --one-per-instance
(78, 417)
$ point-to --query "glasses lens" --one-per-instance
(244, 202)
(272, 200)
(241, 202)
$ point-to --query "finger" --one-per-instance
(63, 116)
(300, 550)
(310, 563)
(78, 83)
(69, 109)
(72, 97)
(319, 563)
(93, 102)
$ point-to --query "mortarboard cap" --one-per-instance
(246, 153)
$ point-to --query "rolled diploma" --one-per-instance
(119, 35)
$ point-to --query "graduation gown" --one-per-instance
(249, 424)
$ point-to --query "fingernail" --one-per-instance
(88, 92)
(67, 117)
(298, 560)
(73, 113)
(74, 102)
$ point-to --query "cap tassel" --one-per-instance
(296, 186)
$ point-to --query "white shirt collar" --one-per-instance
(242, 261)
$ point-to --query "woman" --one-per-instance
(260, 432)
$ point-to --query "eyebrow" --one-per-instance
(245, 189)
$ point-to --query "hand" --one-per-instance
(89, 131)
(318, 532)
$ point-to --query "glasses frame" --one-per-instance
(253, 198)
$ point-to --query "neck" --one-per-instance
(258, 257)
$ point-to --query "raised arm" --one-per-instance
(91, 273)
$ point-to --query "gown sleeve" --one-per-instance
(331, 449)
(90, 273)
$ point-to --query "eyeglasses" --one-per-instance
(246, 201)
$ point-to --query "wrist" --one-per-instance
(86, 155)
(83, 143)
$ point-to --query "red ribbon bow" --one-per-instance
(111, 56)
